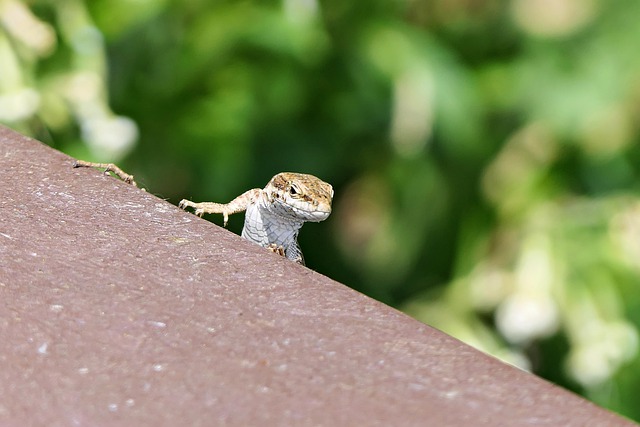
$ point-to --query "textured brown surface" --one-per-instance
(119, 309)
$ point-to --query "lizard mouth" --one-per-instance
(303, 211)
(316, 216)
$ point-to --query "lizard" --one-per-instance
(275, 214)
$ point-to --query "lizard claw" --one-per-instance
(276, 249)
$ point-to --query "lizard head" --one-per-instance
(300, 196)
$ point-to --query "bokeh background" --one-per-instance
(484, 153)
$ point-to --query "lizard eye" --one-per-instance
(293, 191)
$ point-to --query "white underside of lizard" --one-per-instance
(275, 214)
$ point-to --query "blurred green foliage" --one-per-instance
(484, 154)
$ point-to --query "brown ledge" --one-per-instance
(120, 309)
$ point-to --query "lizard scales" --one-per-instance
(275, 214)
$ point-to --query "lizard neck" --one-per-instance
(265, 227)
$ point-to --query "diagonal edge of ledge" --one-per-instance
(120, 308)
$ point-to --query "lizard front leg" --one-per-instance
(239, 204)
(294, 253)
